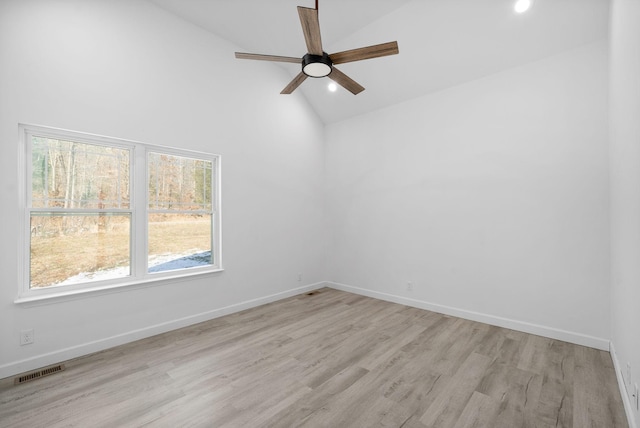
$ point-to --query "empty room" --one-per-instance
(282, 213)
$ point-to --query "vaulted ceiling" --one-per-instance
(442, 43)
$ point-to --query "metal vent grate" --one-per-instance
(37, 374)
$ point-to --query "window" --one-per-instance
(180, 215)
(102, 212)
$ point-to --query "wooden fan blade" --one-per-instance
(294, 83)
(375, 51)
(311, 29)
(242, 55)
(345, 81)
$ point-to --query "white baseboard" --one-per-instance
(540, 330)
(66, 354)
(628, 409)
(61, 355)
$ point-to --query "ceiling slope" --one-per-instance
(442, 42)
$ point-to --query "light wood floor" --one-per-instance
(329, 359)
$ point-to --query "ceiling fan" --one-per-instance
(317, 63)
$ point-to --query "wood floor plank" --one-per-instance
(510, 385)
(333, 359)
(479, 412)
(592, 408)
(301, 410)
(449, 405)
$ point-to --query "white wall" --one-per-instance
(490, 197)
(625, 188)
(130, 70)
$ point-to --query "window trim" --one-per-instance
(138, 207)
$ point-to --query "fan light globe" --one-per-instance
(316, 69)
(316, 65)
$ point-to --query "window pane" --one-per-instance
(67, 174)
(68, 249)
(178, 241)
(179, 183)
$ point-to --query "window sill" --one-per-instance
(64, 296)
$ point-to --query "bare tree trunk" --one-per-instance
(70, 185)
(53, 159)
(180, 179)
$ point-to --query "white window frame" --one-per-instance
(138, 209)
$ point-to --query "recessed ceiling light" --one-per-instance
(522, 6)
(332, 87)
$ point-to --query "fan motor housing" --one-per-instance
(316, 65)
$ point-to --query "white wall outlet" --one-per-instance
(26, 337)
(409, 286)
(299, 277)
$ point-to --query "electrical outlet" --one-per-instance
(409, 286)
(26, 337)
(299, 277)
